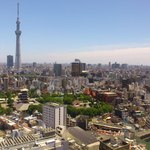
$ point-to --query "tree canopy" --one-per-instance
(33, 108)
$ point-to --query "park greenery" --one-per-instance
(46, 97)
(97, 107)
(6, 111)
(8, 96)
(33, 108)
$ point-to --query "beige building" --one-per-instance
(54, 115)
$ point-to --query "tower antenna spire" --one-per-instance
(18, 10)
(18, 34)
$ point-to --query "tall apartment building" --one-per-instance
(57, 69)
(10, 61)
(54, 115)
(77, 68)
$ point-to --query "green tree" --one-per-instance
(83, 97)
(10, 102)
(2, 110)
(3, 95)
(33, 93)
(68, 100)
(33, 108)
(92, 111)
(50, 99)
(8, 111)
(72, 111)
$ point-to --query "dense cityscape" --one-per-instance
(73, 106)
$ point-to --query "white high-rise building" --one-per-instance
(54, 115)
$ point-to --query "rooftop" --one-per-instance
(22, 90)
(22, 106)
(115, 143)
(54, 104)
(143, 133)
(16, 141)
(83, 136)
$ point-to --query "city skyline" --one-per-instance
(94, 32)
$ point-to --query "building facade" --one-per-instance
(6, 83)
(77, 68)
(57, 69)
(54, 115)
(10, 61)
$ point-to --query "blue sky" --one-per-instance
(95, 31)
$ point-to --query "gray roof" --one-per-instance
(17, 141)
(22, 106)
(83, 136)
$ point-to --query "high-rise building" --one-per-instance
(18, 33)
(124, 66)
(34, 64)
(10, 61)
(57, 69)
(54, 115)
(115, 65)
(77, 67)
(6, 83)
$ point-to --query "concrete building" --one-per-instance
(77, 67)
(54, 115)
(57, 69)
(109, 96)
(83, 139)
(114, 144)
(10, 61)
(6, 83)
(82, 121)
(71, 122)
(115, 65)
(124, 66)
(34, 142)
(34, 64)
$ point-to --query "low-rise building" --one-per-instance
(114, 144)
(84, 139)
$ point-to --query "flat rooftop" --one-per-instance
(115, 143)
(54, 104)
(143, 133)
(83, 136)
